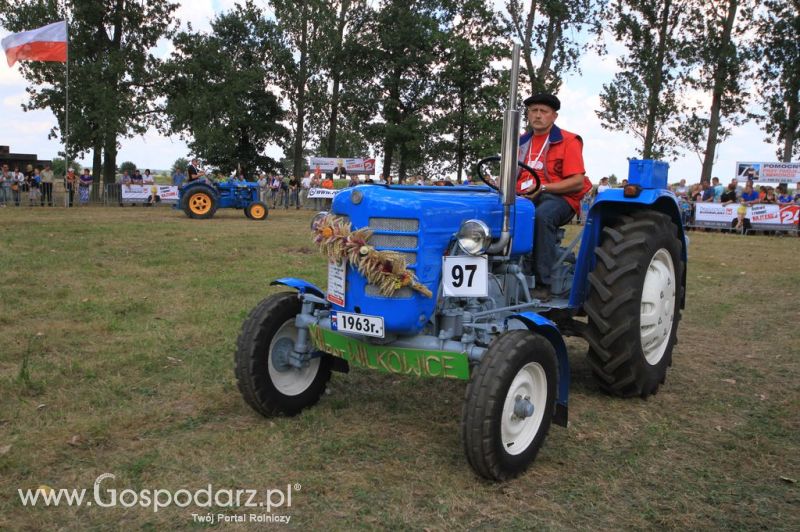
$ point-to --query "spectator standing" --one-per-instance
(797, 193)
(147, 178)
(749, 196)
(70, 180)
(305, 186)
(137, 178)
(294, 190)
(327, 184)
(16, 185)
(47, 185)
(263, 188)
(34, 182)
(784, 197)
(284, 197)
(353, 181)
(603, 186)
(682, 191)
(274, 189)
(729, 196)
(718, 189)
(708, 192)
(5, 185)
(178, 177)
(769, 197)
(84, 187)
(315, 184)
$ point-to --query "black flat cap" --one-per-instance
(544, 98)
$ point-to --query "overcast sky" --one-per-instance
(605, 152)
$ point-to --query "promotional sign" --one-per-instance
(353, 166)
(717, 215)
(323, 193)
(143, 193)
(768, 172)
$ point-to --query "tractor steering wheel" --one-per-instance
(496, 158)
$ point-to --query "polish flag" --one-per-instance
(48, 43)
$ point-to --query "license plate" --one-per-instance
(465, 276)
(357, 323)
(337, 273)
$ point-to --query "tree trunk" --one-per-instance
(388, 153)
(460, 137)
(527, 52)
(300, 102)
(720, 71)
(392, 116)
(401, 171)
(336, 76)
(654, 87)
(791, 126)
(97, 169)
(110, 159)
(553, 36)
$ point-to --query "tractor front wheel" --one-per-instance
(635, 293)
(256, 211)
(509, 405)
(267, 380)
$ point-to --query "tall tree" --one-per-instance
(217, 90)
(471, 91)
(304, 27)
(778, 45)
(553, 29)
(717, 30)
(112, 70)
(644, 96)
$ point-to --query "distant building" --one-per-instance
(21, 160)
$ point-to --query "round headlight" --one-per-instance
(317, 219)
(474, 237)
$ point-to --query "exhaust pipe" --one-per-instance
(509, 147)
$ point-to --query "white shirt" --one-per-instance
(306, 182)
(601, 188)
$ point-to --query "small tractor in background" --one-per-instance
(202, 198)
(436, 282)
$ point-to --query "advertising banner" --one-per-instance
(779, 217)
(143, 193)
(768, 172)
(353, 166)
(321, 193)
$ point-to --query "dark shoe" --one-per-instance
(541, 292)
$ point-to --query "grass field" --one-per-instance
(117, 331)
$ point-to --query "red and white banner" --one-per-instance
(716, 214)
(353, 166)
(48, 43)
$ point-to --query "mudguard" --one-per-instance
(549, 330)
(610, 204)
(300, 285)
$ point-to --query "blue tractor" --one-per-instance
(436, 282)
(202, 198)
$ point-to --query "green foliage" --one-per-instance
(127, 166)
(59, 167)
(778, 45)
(218, 94)
(180, 164)
(644, 97)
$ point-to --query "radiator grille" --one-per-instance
(406, 225)
(382, 240)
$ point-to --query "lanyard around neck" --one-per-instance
(530, 151)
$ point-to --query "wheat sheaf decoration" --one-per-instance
(384, 269)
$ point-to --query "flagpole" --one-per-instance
(66, 126)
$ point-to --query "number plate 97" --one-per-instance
(464, 276)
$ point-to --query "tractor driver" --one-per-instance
(557, 156)
(192, 172)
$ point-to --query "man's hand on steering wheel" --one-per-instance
(530, 195)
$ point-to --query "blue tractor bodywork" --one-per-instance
(231, 194)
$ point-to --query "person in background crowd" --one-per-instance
(603, 186)
(784, 198)
(5, 185)
(178, 177)
(26, 178)
(34, 182)
(769, 196)
(327, 184)
(47, 185)
(305, 186)
(797, 193)
(718, 189)
(17, 178)
(315, 184)
(353, 181)
(749, 196)
(274, 189)
(708, 192)
(84, 187)
(70, 181)
(263, 188)
(284, 192)
(294, 192)
(729, 196)
(741, 224)
(147, 179)
(682, 191)
(137, 178)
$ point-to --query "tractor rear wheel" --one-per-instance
(266, 379)
(200, 203)
(256, 211)
(509, 405)
(635, 292)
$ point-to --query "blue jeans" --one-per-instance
(5, 194)
(552, 211)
